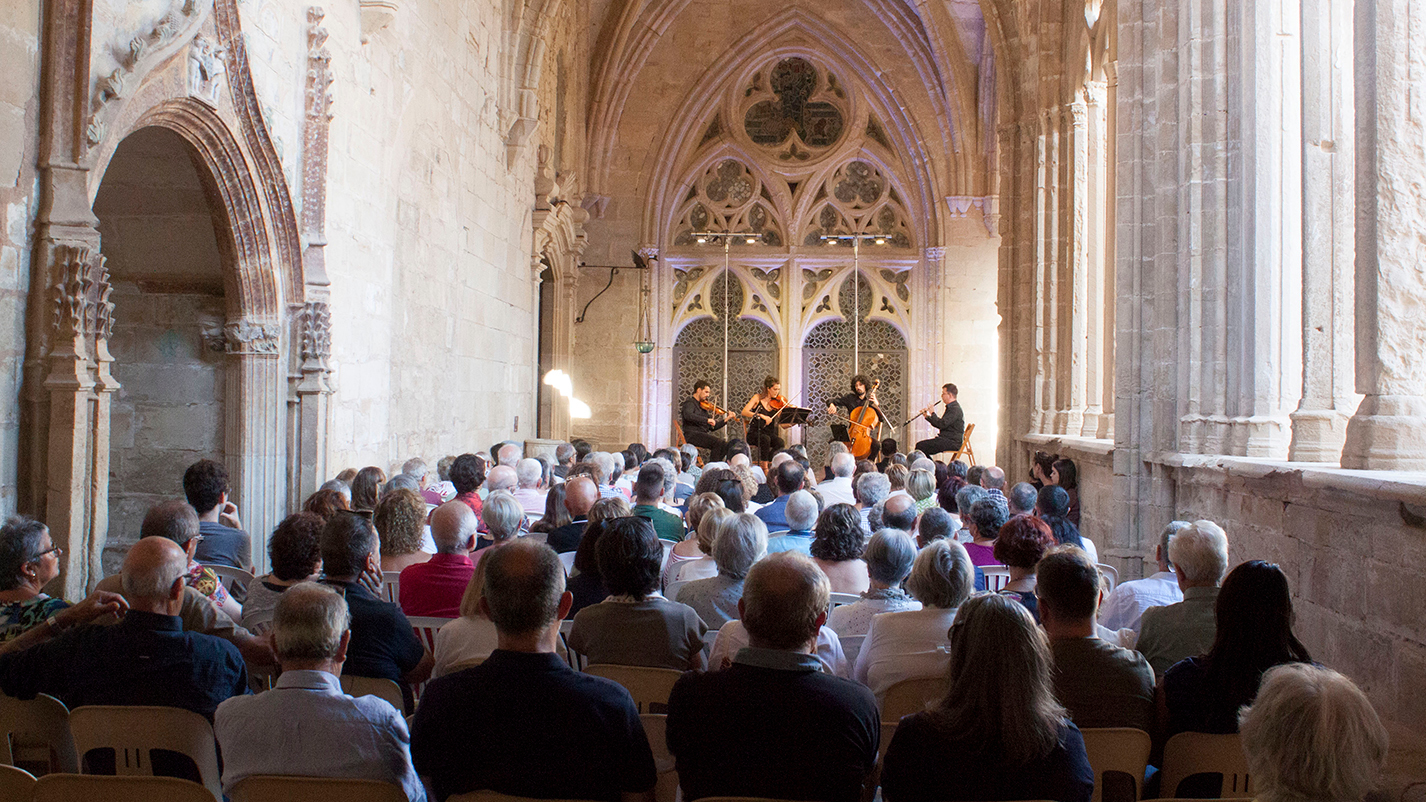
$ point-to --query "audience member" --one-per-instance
(787, 478)
(974, 474)
(383, 645)
(838, 489)
(648, 492)
(1254, 633)
(29, 559)
(587, 584)
(896, 475)
(556, 514)
(888, 558)
(987, 517)
(1023, 541)
(1021, 498)
(176, 521)
(564, 460)
(837, 549)
(224, 542)
(441, 490)
(966, 498)
(742, 541)
(1125, 606)
(1199, 553)
(898, 512)
(580, 494)
(341, 486)
(913, 643)
(773, 725)
(635, 626)
(346, 477)
(295, 552)
(468, 639)
(508, 454)
(998, 733)
(1052, 507)
(325, 503)
(434, 587)
(705, 567)
(800, 512)
(690, 548)
(921, 485)
(364, 487)
(400, 521)
(399, 482)
(1100, 684)
(502, 517)
(934, 524)
(1064, 474)
(872, 489)
(1311, 735)
(467, 475)
(145, 659)
(306, 725)
(491, 726)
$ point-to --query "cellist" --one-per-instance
(860, 396)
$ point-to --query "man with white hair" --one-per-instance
(801, 514)
(501, 477)
(531, 493)
(434, 587)
(1199, 553)
(416, 469)
(838, 489)
(872, 488)
(306, 725)
(508, 454)
(1124, 608)
(604, 461)
(564, 460)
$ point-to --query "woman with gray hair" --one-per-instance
(914, 643)
(502, 516)
(889, 557)
(740, 542)
(29, 559)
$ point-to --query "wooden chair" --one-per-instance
(373, 686)
(18, 784)
(231, 576)
(965, 449)
(656, 729)
(650, 687)
(134, 732)
(839, 599)
(492, 796)
(888, 729)
(1108, 578)
(91, 788)
(273, 788)
(35, 736)
(391, 586)
(996, 577)
(1192, 753)
(911, 696)
(1116, 751)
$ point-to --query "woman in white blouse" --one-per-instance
(911, 644)
(888, 557)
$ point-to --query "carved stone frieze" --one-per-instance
(145, 47)
(316, 331)
(960, 206)
(80, 294)
(315, 127)
(248, 336)
(207, 71)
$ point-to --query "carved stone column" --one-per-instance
(1386, 431)
(256, 425)
(314, 392)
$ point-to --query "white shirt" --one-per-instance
(734, 636)
(837, 490)
(904, 645)
(1124, 608)
(850, 620)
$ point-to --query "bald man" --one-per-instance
(501, 477)
(579, 496)
(899, 512)
(145, 659)
(435, 587)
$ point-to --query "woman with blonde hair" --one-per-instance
(691, 548)
(921, 484)
(704, 567)
(998, 733)
(897, 476)
(400, 521)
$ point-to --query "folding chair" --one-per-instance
(996, 577)
(656, 728)
(839, 599)
(273, 788)
(373, 686)
(965, 449)
(567, 560)
(911, 696)
(91, 788)
(1189, 754)
(18, 784)
(391, 586)
(1108, 578)
(231, 575)
(35, 735)
(259, 622)
(650, 687)
(1116, 753)
(135, 733)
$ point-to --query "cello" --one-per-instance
(862, 421)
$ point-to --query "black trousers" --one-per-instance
(716, 446)
(767, 442)
(938, 444)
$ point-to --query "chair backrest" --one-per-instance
(492, 796)
(838, 599)
(272, 788)
(18, 784)
(650, 687)
(373, 686)
(134, 732)
(911, 696)
(258, 622)
(91, 788)
(996, 577)
(1109, 578)
(852, 646)
(391, 586)
(567, 560)
(888, 729)
(656, 728)
(965, 450)
(426, 628)
(1191, 753)
(231, 575)
(1116, 751)
(36, 732)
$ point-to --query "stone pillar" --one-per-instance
(256, 426)
(1386, 431)
(1319, 424)
(1076, 213)
(1046, 236)
(1098, 207)
(314, 392)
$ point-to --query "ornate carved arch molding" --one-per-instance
(528, 24)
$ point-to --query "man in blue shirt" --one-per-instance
(787, 478)
(801, 513)
(205, 485)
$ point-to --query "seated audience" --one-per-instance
(987, 517)
(1100, 684)
(399, 482)
(383, 645)
(993, 480)
(1023, 540)
(1199, 553)
(295, 552)
(1254, 633)
(800, 512)
(586, 584)
(442, 490)
(838, 489)
(636, 626)
(888, 558)
(787, 478)
(1052, 507)
(705, 567)
(580, 494)
(837, 548)
(896, 475)
(921, 484)
(434, 587)
(872, 489)
(531, 492)
(965, 499)
(365, 485)
(467, 475)
(325, 503)
(1311, 735)
(1063, 473)
(556, 515)
(176, 521)
(934, 524)
(1125, 605)
(224, 542)
(773, 725)
(648, 493)
(145, 659)
(913, 643)
(741, 541)
(898, 512)
(492, 726)
(306, 725)
(502, 516)
(29, 559)
(999, 733)
(690, 548)
(1022, 498)
(400, 521)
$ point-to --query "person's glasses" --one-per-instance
(57, 551)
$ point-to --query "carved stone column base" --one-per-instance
(1385, 434)
(1317, 435)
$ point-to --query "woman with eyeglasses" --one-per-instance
(29, 559)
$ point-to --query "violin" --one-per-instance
(713, 409)
(776, 401)
(862, 421)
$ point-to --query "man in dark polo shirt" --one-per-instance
(580, 493)
(383, 645)
(523, 722)
(787, 478)
(773, 725)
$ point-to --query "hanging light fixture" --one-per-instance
(644, 334)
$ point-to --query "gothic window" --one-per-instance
(858, 199)
(729, 197)
(794, 109)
